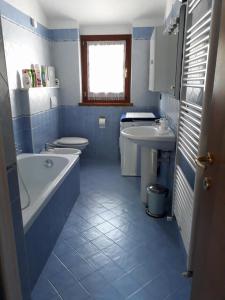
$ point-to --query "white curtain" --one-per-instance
(106, 70)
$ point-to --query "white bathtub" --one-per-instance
(39, 177)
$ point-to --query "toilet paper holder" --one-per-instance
(102, 121)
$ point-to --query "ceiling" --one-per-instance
(97, 12)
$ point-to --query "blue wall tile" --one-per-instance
(22, 133)
(13, 14)
(142, 33)
(83, 122)
(59, 35)
(169, 108)
(31, 133)
(45, 128)
(20, 18)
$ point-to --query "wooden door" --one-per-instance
(209, 252)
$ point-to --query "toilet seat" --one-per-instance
(71, 142)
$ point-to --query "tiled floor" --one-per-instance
(110, 249)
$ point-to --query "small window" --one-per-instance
(106, 69)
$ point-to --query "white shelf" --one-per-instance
(38, 87)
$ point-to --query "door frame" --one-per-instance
(209, 252)
(9, 270)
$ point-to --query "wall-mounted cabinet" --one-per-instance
(163, 53)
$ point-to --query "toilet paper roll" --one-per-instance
(102, 122)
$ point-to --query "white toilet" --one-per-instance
(71, 142)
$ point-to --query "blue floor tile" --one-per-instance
(115, 235)
(44, 291)
(96, 220)
(99, 260)
(52, 267)
(76, 291)
(180, 294)
(102, 242)
(94, 283)
(114, 251)
(127, 262)
(107, 215)
(140, 295)
(92, 234)
(111, 272)
(109, 249)
(126, 285)
(87, 250)
(105, 227)
(164, 285)
(76, 242)
(77, 266)
(108, 293)
(146, 272)
(118, 221)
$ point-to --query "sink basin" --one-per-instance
(151, 139)
(151, 136)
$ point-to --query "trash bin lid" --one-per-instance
(157, 189)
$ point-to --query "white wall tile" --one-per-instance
(140, 95)
(66, 57)
(23, 48)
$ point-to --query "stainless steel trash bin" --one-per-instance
(157, 196)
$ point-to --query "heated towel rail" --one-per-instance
(197, 74)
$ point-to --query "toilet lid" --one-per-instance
(71, 141)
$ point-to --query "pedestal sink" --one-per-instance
(151, 139)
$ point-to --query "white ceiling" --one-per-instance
(97, 12)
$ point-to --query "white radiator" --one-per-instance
(197, 49)
(183, 206)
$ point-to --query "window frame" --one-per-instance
(84, 69)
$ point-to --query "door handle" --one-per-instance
(204, 161)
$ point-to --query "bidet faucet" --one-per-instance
(18, 148)
(48, 146)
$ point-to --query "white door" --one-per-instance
(209, 250)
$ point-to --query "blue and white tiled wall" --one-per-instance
(22, 134)
(169, 108)
(38, 123)
(34, 122)
(140, 94)
(32, 132)
(47, 46)
(83, 121)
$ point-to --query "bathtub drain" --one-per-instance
(48, 163)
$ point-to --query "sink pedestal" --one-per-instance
(148, 170)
